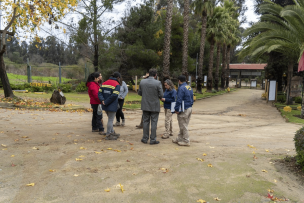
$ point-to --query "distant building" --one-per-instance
(243, 70)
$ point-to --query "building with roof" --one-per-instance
(243, 70)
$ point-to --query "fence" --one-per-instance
(50, 73)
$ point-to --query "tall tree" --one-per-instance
(185, 38)
(203, 8)
(27, 16)
(167, 41)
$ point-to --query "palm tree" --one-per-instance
(167, 40)
(204, 8)
(185, 39)
(215, 31)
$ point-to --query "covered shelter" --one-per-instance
(243, 70)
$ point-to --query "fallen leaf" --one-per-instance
(3, 145)
(217, 199)
(130, 143)
(35, 148)
(13, 165)
(107, 190)
(121, 187)
(253, 152)
(13, 156)
(116, 150)
(81, 156)
(109, 149)
(210, 165)
(133, 174)
(204, 154)
(275, 180)
(201, 201)
(24, 137)
(97, 152)
(251, 146)
(16, 140)
(200, 159)
(4, 149)
(30, 184)
(176, 148)
(131, 148)
(211, 147)
(265, 171)
(254, 157)
(266, 150)
(76, 175)
(78, 159)
(51, 170)
(128, 161)
(82, 148)
(270, 191)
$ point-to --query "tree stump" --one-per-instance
(57, 98)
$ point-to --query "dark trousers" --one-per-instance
(147, 117)
(96, 119)
(119, 113)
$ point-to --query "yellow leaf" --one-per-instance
(109, 149)
(200, 159)
(64, 31)
(265, 171)
(253, 152)
(4, 149)
(201, 201)
(36, 46)
(24, 137)
(217, 199)
(204, 154)
(82, 148)
(275, 180)
(76, 175)
(35, 148)
(116, 150)
(51, 170)
(81, 156)
(121, 187)
(30, 184)
(78, 159)
(210, 165)
(107, 190)
(266, 150)
(97, 152)
(270, 191)
(3, 145)
(13, 156)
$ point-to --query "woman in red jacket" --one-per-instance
(93, 88)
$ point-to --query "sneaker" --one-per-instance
(116, 124)
(111, 137)
(165, 137)
(184, 143)
(175, 140)
(115, 134)
(102, 133)
(123, 122)
(154, 142)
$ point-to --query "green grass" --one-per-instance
(290, 116)
(21, 79)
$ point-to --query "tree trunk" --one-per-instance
(227, 65)
(210, 69)
(201, 55)
(4, 79)
(289, 77)
(167, 40)
(223, 67)
(96, 54)
(185, 40)
(216, 78)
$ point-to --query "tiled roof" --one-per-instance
(241, 66)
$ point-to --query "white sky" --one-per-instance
(251, 16)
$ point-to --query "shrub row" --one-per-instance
(299, 145)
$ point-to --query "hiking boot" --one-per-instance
(116, 124)
(184, 143)
(111, 137)
(123, 122)
(102, 133)
(139, 126)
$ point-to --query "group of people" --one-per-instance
(109, 96)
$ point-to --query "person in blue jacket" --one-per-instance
(184, 101)
(168, 98)
(108, 96)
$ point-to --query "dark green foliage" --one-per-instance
(299, 145)
(81, 87)
(281, 98)
(65, 87)
(298, 100)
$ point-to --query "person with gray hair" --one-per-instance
(151, 91)
(168, 98)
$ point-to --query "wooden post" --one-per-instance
(136, 83)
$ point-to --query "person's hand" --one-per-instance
(120, 98)
(163, 99)
(103, 103)
(176, 112)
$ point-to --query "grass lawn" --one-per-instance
(290, 115)
(21, 79)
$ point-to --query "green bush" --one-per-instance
(298, 100)
(81, 87)
(193, 84)
(214, 91)
(65, 87)
(281, 98)
(299, 144)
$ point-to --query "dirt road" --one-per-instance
(83, 164)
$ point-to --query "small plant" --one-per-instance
(214, 91)
(299, 145)
(65, 87)
(298, 100)
(81, 87)
(281, 98)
